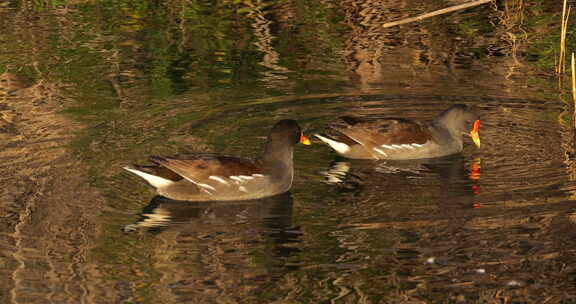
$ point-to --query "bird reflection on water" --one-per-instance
(458, 177)
(269, 217)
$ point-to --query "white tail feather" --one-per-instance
(155, 181)
(338, 146)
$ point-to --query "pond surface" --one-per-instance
(93, 87)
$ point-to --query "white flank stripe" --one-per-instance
(206, 186)
(245, 177)
(388, 147)
(219, 179)
(338, 146)
(417, 145)
(257, 175)
(206, 191)
(236, 178)
(380, 151)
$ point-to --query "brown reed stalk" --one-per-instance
(436, 13)
(573, 65)
(564, 28)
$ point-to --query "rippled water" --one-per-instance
(432, 228)
(114, 84)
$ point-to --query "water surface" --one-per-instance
(93, 87)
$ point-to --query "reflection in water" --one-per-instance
(474, 176)
(163, 213)
(451, 174)
(274, 75)
(212, 250)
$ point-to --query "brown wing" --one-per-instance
(384, 131)
(199, 168)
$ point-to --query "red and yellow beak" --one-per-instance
(304, 140)
(474, 133)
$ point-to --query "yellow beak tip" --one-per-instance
(476, 139)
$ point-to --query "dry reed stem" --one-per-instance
(435, 13)
(573, 80)
(574, 89)
(562, 57)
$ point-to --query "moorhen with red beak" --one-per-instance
(402, 139)
(207, 177)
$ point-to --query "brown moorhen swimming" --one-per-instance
(208, 177)
(402, 139)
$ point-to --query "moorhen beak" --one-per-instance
(474, 133)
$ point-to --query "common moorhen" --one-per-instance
(208, 177)
(402, 139)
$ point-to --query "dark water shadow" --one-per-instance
(458, 176)
(246, 244)
(270, 217)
